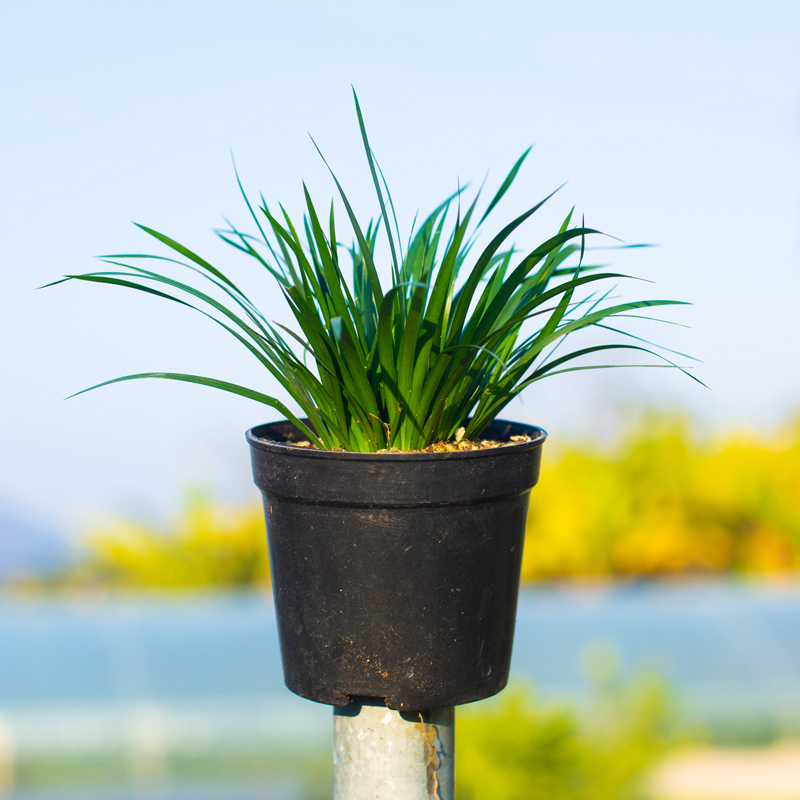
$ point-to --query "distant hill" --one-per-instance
(28, 545)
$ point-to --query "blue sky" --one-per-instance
(673, 123)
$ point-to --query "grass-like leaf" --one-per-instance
(435, 352)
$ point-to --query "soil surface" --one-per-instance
(456, 444)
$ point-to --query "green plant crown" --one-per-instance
(411, 365)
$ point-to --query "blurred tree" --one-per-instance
(661, 503)
(520, 749)
(210, 546)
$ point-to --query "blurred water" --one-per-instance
(700, 635)
(144, 680)
(731, 651)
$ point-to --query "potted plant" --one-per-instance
(396, 503)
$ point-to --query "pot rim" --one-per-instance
(538, 435)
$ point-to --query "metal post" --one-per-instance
(380, 754)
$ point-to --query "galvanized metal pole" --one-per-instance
(380, 754)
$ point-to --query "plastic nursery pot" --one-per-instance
(395, 575)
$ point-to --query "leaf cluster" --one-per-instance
(442, 347)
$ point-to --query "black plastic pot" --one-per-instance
(395, 575)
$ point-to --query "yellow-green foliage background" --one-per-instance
(661, 502)
(664, 502)
(515, 747)
(211, 546)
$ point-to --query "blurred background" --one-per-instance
(658, 643)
